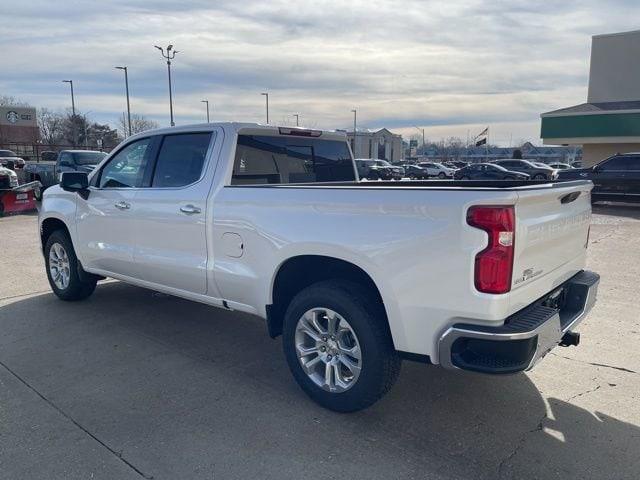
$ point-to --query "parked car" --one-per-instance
(378, 169)
(415, 172)
(437, 170)
(536, 172)
(68, 161)
(8, 178)
(12, 162)
(272, 221)
(7, 154)
(488, 171)
(615, 179)
(560, 166)
(459, 163)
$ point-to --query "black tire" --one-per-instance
(76, 289)
(464, 177)
(374, 176)
(380, 362)
(441, 175)
(539, 176)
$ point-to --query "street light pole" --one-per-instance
(355, 129)
(126, 84)
(207, 102)
(170, 55)
(267, 100)
(73, 101)
(297, 115)
(73, 113)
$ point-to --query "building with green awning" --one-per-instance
(609, 122)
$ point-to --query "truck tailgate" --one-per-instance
(551, 234)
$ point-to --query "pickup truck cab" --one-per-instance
(479, 276)
(48, 174)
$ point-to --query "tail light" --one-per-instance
(494, 264)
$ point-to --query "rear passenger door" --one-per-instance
(170, 228)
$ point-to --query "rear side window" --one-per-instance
(181, 159)
(262, 159)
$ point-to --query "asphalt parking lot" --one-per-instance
(133, 384)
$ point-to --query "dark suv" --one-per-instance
(615, 179)
(524, 166)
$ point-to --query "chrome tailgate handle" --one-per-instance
(190, 209)
(122, 205)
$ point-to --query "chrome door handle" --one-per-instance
(190, 209)
(122, 205)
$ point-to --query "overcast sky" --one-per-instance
(450, 66)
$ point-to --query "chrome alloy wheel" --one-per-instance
(59, 266)
(328, 350)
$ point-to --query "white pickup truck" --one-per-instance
(480, 276)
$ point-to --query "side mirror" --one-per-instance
(75, 182)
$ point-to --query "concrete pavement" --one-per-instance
(132, 384)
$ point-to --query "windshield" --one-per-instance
(88, 158)
(382, 163)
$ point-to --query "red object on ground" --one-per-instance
(16, 201)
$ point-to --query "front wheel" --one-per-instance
(62, 269)
(338, 346)
(539, 176)
(441, 175)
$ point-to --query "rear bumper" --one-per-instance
(526, 336)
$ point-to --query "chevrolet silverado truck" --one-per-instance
(486, 276)
(48, 174)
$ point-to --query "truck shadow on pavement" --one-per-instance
(182, 390)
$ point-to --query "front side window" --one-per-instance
(126, 168)
(616, 164)
(181, 159)
(262, 159)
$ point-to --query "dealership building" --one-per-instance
(609, 121)
(377, 144)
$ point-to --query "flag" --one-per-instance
(481, 142)
(483, 133)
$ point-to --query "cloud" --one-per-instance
(444, 65)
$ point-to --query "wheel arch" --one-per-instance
(300, 271)
(50, 225)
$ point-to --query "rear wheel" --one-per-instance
(338, 346)
(464, 177)
(62, 269)
(441, 175)
(539, 176)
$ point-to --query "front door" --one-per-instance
(170, 231)
(609, 178)
(106, 219)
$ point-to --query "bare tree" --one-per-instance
(10, 101)
(139, 123)
(51, 126)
